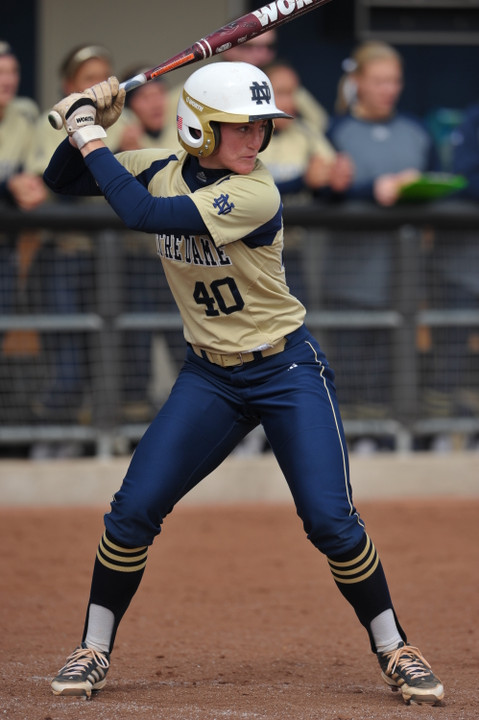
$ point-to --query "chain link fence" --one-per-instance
(91, 341)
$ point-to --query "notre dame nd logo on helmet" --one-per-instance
(260, 92)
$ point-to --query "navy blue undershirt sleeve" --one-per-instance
(101, 173)
(66, 173)
(135, 205)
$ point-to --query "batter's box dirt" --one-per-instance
(238, 616)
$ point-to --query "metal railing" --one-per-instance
(106, 323)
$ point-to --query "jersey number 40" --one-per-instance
(222, 296)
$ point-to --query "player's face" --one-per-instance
(239, 147)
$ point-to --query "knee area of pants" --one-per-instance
(132, 531)
(334, 542)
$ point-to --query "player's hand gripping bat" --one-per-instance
(248, 26)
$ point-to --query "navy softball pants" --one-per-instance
(210, 409)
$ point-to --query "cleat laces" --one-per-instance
(410, 660)
(80, 661)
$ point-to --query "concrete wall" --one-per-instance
(240, 479)
(135, 31)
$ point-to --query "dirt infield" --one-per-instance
(238, 616)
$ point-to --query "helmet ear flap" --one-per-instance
(268, 134)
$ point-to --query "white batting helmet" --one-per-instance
(231, 92)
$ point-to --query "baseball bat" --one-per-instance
(237, 32)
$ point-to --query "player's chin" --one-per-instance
(245, 165)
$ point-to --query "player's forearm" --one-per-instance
(66, 173)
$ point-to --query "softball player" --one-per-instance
(249, 359)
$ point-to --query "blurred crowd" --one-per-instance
(365, 149)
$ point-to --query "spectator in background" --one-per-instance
(17, 186)
(145, 289)
(300, 158)
(388, 150)
(11, 73)
(368, 126)
(65, 267)
(147, 110)
(25, 191)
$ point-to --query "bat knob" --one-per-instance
(55, 120)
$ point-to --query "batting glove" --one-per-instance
(109, 100)
(76, 111)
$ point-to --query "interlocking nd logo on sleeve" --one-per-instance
(223, 204)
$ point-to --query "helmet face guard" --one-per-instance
(223, 92)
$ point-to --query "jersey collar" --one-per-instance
(197, 177)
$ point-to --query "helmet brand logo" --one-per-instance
(194, 104)
(260, 92)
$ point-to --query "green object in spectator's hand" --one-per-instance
(430, 186)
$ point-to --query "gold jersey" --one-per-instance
(229, 284)
(15, 141)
